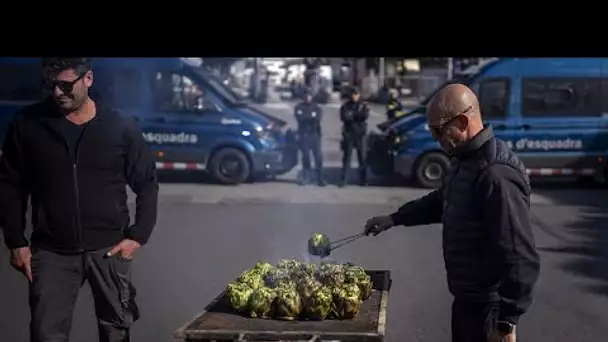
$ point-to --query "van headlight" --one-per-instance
(266, 135)
(276, 128)
(263, 134)
(394, 137)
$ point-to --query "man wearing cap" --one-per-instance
(309, 115)
(484, 204)
(354, 114)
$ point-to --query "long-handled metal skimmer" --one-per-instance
(324, 251)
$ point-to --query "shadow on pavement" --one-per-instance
(565, 191)
(587, 235)
(332, 176)
(192, 177)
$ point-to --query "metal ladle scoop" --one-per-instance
(324, 250)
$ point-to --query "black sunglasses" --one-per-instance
(65, 86)
(438, 130)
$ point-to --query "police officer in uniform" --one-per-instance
(309, 115)
(354, 114)
(394, 108)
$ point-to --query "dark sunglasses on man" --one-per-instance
(437, 130)
(64, 86)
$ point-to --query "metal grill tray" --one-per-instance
(219, 322)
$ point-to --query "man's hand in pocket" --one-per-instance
(21, 260)
(125, 249)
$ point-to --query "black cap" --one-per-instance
(353, 91)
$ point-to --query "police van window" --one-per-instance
(174, 91)
(21, 82)
(543, 97)
(494, 97)
(119, 87)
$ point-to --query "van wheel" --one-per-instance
(230, 166)
(431, 169)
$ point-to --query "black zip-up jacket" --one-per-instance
(78, 201)
(488, 245)
(354, 117)
(309, 116)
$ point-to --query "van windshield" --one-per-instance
(217, 83)
(226, 95)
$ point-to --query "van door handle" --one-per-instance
(525, 127)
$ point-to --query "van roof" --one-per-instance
(549, 66)
(482, 65)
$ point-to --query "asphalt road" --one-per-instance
(208, 234)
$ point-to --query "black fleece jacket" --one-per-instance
(78, 200)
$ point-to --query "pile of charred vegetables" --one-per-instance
(294, 290)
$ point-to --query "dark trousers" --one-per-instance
(359, 144)
(473, 322)
(311, 144)
(57, 279)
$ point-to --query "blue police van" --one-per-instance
(553, 112)
(191, 120)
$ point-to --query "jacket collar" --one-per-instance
(51, 111)
(468, 148)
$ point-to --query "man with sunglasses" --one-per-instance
(484, 205)
(73, 158)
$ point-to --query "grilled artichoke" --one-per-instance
(263, 268)
(306, 287)
(331, 274)
(293, 289)
(319, 245)
(288, 303)
(319, 304)
(357, 275)
(346, 301)
(251, 278)
(238, 294)
(260, 302)
(276, 277)
(291, 267)
(288, 264)
(305, 271)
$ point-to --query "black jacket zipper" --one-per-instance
(78, 226)
(79, 229)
